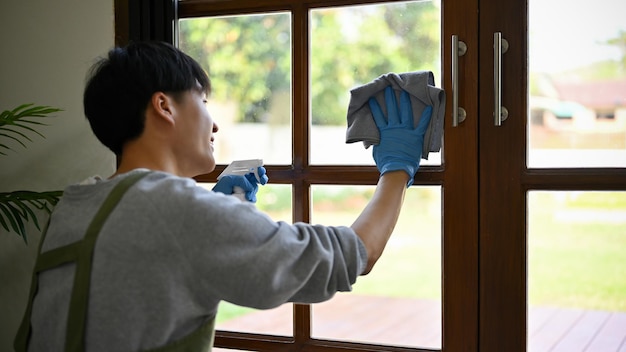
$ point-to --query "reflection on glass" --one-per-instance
(576, 271)
(351, 46)
(577, 68)
(249, 61)
(399, 302)
(274, 200)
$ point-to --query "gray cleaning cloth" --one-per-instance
(421, 88)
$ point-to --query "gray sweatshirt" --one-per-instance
(171, 251)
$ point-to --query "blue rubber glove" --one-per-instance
(400, 146)
(248, 183)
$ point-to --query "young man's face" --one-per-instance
(195, 129)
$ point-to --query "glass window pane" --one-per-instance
(275, 200)
(399, 302)
(576, 271)
(577, 80)
(249, 61)
(352, 46)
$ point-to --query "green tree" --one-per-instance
(248, 57)
(418, 27)
(620, 42)
(350, 48)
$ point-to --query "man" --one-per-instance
(141, 260)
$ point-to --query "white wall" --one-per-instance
(46, 50)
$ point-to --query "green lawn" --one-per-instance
(577, 254)
(577, 250)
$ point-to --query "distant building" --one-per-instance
(566, 114)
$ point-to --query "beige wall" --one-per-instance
(46, 49)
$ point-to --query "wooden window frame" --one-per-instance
(459, 291)
(481, 229)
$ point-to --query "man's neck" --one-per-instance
(137, 155)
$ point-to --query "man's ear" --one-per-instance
(162, 106)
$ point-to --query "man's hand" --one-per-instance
(248, 183)
(400, 146)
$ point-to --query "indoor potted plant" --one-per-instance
(20, 207)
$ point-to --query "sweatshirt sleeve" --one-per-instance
(238, 254)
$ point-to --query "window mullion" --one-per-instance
(300, 141)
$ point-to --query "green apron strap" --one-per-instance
(81, 252)
(77, 317)
(23, 332)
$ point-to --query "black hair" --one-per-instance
(120, 86)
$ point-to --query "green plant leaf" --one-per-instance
(38, 111)
(20, 223)
(20, 124)
(4, 146)
(15, 138)
(14, 124)
(17, 208)
(13, 220)
(26, 212)
(3, 222)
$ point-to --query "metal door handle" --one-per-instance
(458, 49)
(500, 46)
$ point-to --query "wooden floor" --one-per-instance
(554, 329)
(417, 323)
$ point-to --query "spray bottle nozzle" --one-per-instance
(243, 167)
